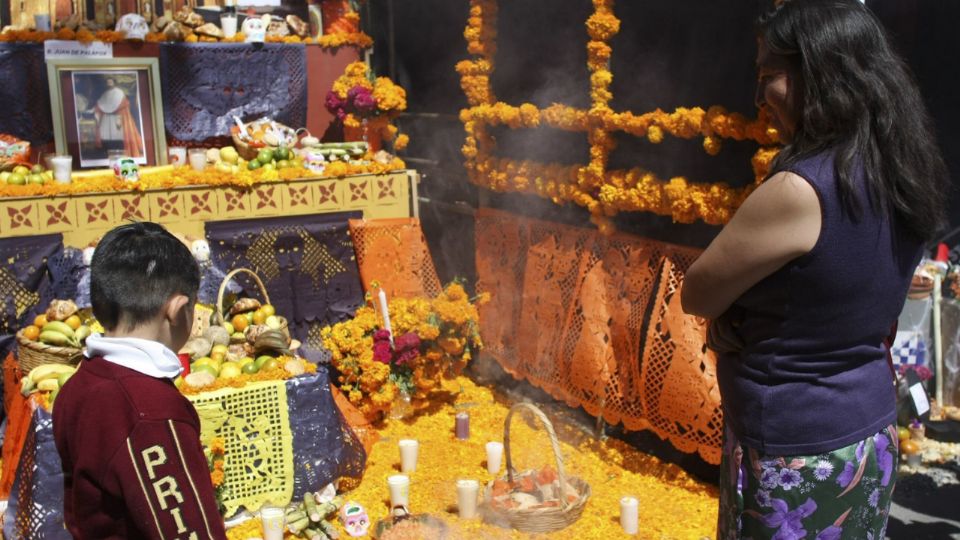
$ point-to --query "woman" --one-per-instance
(807, 279)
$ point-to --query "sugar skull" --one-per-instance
(125, 168)
(133, 25)
(201, 250)
(254, 30)
(313, 160)
(354, 519)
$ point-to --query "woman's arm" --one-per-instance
(777, 223)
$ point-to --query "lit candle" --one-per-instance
(386, 315)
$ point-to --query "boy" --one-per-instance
(133, 465)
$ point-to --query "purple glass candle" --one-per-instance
(463, 426)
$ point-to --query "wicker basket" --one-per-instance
(249, 149)
(220, 313)
(31, 354)
(539, 520)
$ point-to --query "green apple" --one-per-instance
(261, 360)
(37, 169)
(20, 169)
(17, 179)
(36, 178)
(4, 176)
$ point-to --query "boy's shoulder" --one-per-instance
(99, 384)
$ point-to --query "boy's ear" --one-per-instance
(173, 308)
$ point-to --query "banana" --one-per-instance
(51, 337)
(61, 327)
(49, 371)
(27, 386)
(82, 333)
(48, 385)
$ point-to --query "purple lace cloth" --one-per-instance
(24, 93)
(206, 84)
(307, 264)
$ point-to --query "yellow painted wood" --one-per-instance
(82, 219)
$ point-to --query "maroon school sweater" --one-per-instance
(133, 466)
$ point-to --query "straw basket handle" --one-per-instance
(223, 289)
(553, 443)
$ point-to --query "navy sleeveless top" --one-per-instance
(813, 375)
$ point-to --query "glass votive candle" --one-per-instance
(62, 167)
(177, 156)
(228, 23)
(409, 448)
(463, 425)
(272, 519)
(198, 159)
(399, 485)
(467, 492)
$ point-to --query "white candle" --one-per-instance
(629, 507)
(937, 337)
(494, 455)
(399, 485)
(62, 168)
(467, 491)
(386, 314)
(272, 520)
(409, 448)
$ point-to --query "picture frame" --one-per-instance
(107, 106)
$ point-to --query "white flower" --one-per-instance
(823, 470)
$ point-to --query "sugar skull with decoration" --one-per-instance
(354, 518)
(133, 26)
(313, 160)
(125, 168)
(254, 30)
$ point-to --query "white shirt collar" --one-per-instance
(142, 355)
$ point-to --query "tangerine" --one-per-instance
(240, 322)
(40, 321)
(31, 332)
(259, 317)
(73, 321)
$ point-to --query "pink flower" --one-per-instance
(382, 352)
(361, 99)
(407, 341)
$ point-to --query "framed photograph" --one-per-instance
(107, 107)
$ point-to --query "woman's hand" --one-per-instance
(723, 334)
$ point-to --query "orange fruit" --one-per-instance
(31, 332)
(259, 317)
(240, 322)
(40, 321)
(73, 322)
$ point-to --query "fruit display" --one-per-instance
(252, 341)
(61, 326)
(530, 490)
(46, 378)
(22, 175)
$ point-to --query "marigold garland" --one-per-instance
(330, 41)
(602, 192)
(186, 176)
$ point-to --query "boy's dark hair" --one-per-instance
(136, 268)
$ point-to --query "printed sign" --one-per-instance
(56, 49)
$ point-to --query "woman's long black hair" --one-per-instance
(858, 98)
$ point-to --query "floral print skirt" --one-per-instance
(845, 493)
